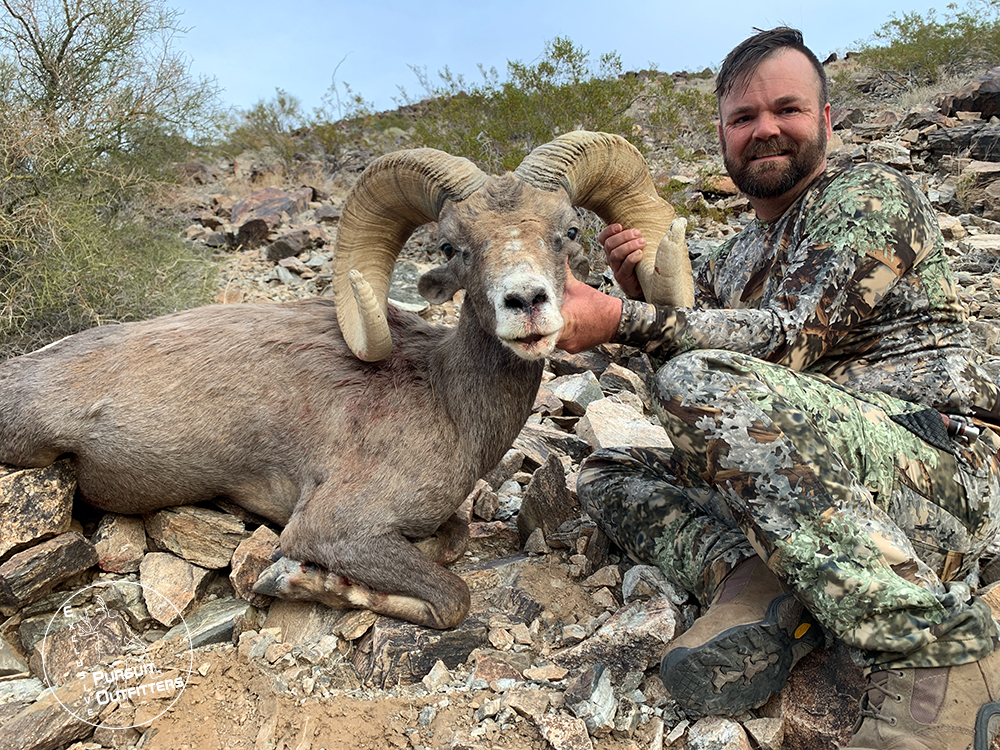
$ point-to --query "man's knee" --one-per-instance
(591, 484)
(697, 360)
(607, 469)
(695, 376)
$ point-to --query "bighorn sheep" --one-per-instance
(356, 426)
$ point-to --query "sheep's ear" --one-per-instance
(579, 263)
(439, 285)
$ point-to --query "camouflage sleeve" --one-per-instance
(667, 330)
(854, 240)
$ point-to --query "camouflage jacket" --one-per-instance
(851, 282)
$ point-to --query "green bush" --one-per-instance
(682, 118)
(496, 123)
(347, 125)
(270, 124)
(96, 105)
(91, 271)
(912, 48)
(279, 125)
(345, 119)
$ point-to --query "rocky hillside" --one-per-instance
(561, 647)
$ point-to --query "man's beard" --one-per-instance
(771, 179)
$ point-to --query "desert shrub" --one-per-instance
(683, 118)
(497, 122)
(346, 125)
(95, 106)
(269, 124)
(913, 48)
(92, 272)
(344, 122)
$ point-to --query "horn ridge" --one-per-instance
(606, 174)
(396, 194)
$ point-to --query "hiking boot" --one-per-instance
(739, 653)
(931, 708)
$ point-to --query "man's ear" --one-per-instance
(826, 120)
(439, 285)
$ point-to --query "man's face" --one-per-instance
(773, 131)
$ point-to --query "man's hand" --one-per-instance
(623, 251)
(589, 316)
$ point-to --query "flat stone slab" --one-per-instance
(171, 586)
(634, 638)
(203, 537)
(401, 653)
(51, 722)
(29, 575)
(20, 691)
(212, 623)
(609, 423)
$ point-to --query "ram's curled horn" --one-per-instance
(396, 194)
(607, 175)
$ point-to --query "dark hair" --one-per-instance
(744, 60)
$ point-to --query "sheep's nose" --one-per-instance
(525, 301)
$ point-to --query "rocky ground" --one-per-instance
(561, 647)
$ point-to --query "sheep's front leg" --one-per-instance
(448, 543)
(442, 606)
(357, 567)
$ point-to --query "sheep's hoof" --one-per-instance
(292, 579)
(285, 579)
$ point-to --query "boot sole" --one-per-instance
(737, 670)
(987, 712)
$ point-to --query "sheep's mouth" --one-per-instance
(533, 345)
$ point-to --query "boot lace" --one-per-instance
(869, 706)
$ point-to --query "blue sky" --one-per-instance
(252, 47)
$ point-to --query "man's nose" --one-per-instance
(766, 127)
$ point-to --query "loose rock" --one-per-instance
(34, 504)
(29, 575)
(252, 557)
(206, 538)
(171, 586)
(120, 542)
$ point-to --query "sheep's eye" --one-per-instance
(572, 233)
(448, 250)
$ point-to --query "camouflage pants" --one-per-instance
(873, 528)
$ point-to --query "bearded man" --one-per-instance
(834, 470)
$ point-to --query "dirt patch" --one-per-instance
(243, 705)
